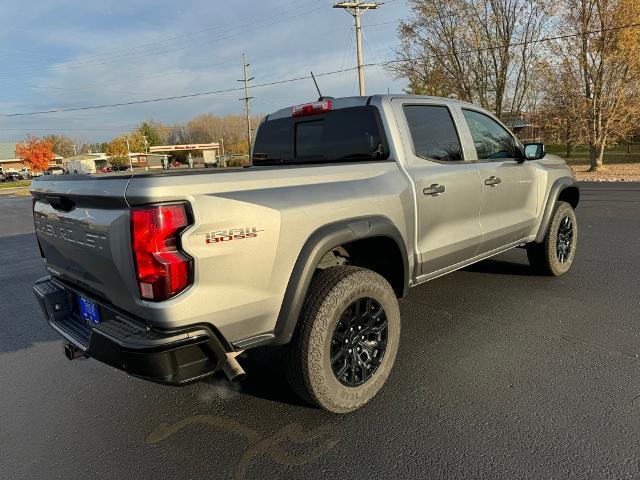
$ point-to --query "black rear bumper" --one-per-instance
(169, 357)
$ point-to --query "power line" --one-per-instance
(524, 42)
(368, 25)
(306, 77)
(174, 97)
(54, 129)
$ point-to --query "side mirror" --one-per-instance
(534, 151)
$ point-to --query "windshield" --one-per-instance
(345, 134)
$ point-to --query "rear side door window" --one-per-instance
(492, 140)
(433, 133)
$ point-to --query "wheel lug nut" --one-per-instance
(358, 349)
(362, 337)
(359, 327)
(350, 350)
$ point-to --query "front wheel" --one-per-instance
(346, 340)
(555, 255)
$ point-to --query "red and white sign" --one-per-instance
(194, 146)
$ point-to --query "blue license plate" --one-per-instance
(89, 310)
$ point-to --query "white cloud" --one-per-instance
(196, 49)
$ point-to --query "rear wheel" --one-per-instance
(554, 256)
(346, 341)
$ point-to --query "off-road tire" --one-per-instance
(307, 356)
(543, 257)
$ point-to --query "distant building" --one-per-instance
(147, 160)
(101, 159)
(9, 161)
(525, 126)
(138, 160)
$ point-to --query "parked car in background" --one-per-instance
(25, 173)
(13, 176)
(81, 166)
(3, 177)
(54, 171)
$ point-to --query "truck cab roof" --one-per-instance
(357, 101)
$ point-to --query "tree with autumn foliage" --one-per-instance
(61, 145)
(481, 51)
(562, 111)
(596, 87)
(118, 153)
(36, 153)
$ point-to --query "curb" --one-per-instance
(10, 191)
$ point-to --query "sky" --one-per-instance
(57, 54)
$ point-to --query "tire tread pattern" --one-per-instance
(304, 354)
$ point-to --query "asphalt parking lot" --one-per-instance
(500, 374)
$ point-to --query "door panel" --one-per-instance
(448, 190)
(508, 211)
(448, 223)
(509, 193)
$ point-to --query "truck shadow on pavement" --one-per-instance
(21, 321)
(501, 267)
(266, 378)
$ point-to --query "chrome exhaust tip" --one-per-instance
(232, 368)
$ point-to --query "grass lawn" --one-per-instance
(618, 154)
(620, 163)
(19, 183)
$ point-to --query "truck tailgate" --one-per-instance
(82, 224)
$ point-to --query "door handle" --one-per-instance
(434, 190)
(493, 181)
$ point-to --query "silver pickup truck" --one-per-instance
(348, 203)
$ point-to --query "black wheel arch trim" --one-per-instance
(554, 193)
(317, 245)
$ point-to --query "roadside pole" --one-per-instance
(129, 156)
(356, 9)
(247, 98)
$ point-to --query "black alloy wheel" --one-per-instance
(564, 240)
(359, 342)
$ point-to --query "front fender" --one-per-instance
(556, 189)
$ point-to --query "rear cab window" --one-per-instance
(433, 133)
(340, 135)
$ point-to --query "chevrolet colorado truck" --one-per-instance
(347, 204)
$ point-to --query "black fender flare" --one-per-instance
(317, 245)
(556, 189)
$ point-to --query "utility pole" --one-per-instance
(74, 150)
(356, 9)
(129, 155)
(246, 99)
(223, 158)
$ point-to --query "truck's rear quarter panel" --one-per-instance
(240, 284)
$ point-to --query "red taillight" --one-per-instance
(311, 108)
(163, 270)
